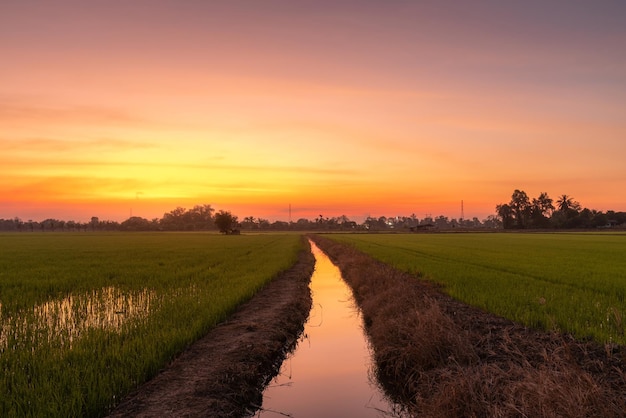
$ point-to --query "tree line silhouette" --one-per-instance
(520, 212)
(543, 212)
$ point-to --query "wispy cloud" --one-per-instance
(77, 114)
(60, 188)
(211, 165)
(63, 145)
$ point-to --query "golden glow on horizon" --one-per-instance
(366, 110)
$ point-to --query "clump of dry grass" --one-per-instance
(509, 390)
(441, 358)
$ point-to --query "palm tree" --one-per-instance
(565, 202)
(544, 203)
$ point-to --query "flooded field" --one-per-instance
(329, 372)
(86, 318)
(61, 321)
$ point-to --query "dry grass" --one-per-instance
(442, 358)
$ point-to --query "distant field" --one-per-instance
(568, 282)
(86, 317)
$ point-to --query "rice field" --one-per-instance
(85, 318)
(567, 282)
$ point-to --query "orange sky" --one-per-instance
(361, 108)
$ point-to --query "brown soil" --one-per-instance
(442, 358)
(437, 356)
(223, 374)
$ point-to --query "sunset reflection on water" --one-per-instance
(62, 321)
(327, 374)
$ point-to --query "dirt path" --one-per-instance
(443, 358)
(222, 374)
(434, 354)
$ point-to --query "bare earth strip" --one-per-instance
(224, 373)
(437, 356)
(443, 358)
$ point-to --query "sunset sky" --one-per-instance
(113, 107)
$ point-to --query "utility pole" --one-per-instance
(462, 214)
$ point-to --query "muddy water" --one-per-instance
(328, 375)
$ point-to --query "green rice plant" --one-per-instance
(87, 317)
(567, 282)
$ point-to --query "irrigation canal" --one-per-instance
(328, 374)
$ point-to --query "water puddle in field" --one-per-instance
(63, 320)
(328, 374)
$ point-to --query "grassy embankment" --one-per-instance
(566, 282)
(85, 318)
(439, 357)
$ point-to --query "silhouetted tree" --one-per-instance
(279, 225)
(304, 224)
(567, 203)
(541, 210)
(442, 222)
(492, 221)
(249, 222)
(225, 221)
(173, 220)
(199, 218)
(567, 214)
(520, 204)
(135, 223)
(505, 213)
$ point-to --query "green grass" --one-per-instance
(85, 318)
(568, 282)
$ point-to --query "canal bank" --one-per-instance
(223, 374)
(442, 358)
(329, 372)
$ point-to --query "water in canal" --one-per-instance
(328, 373)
